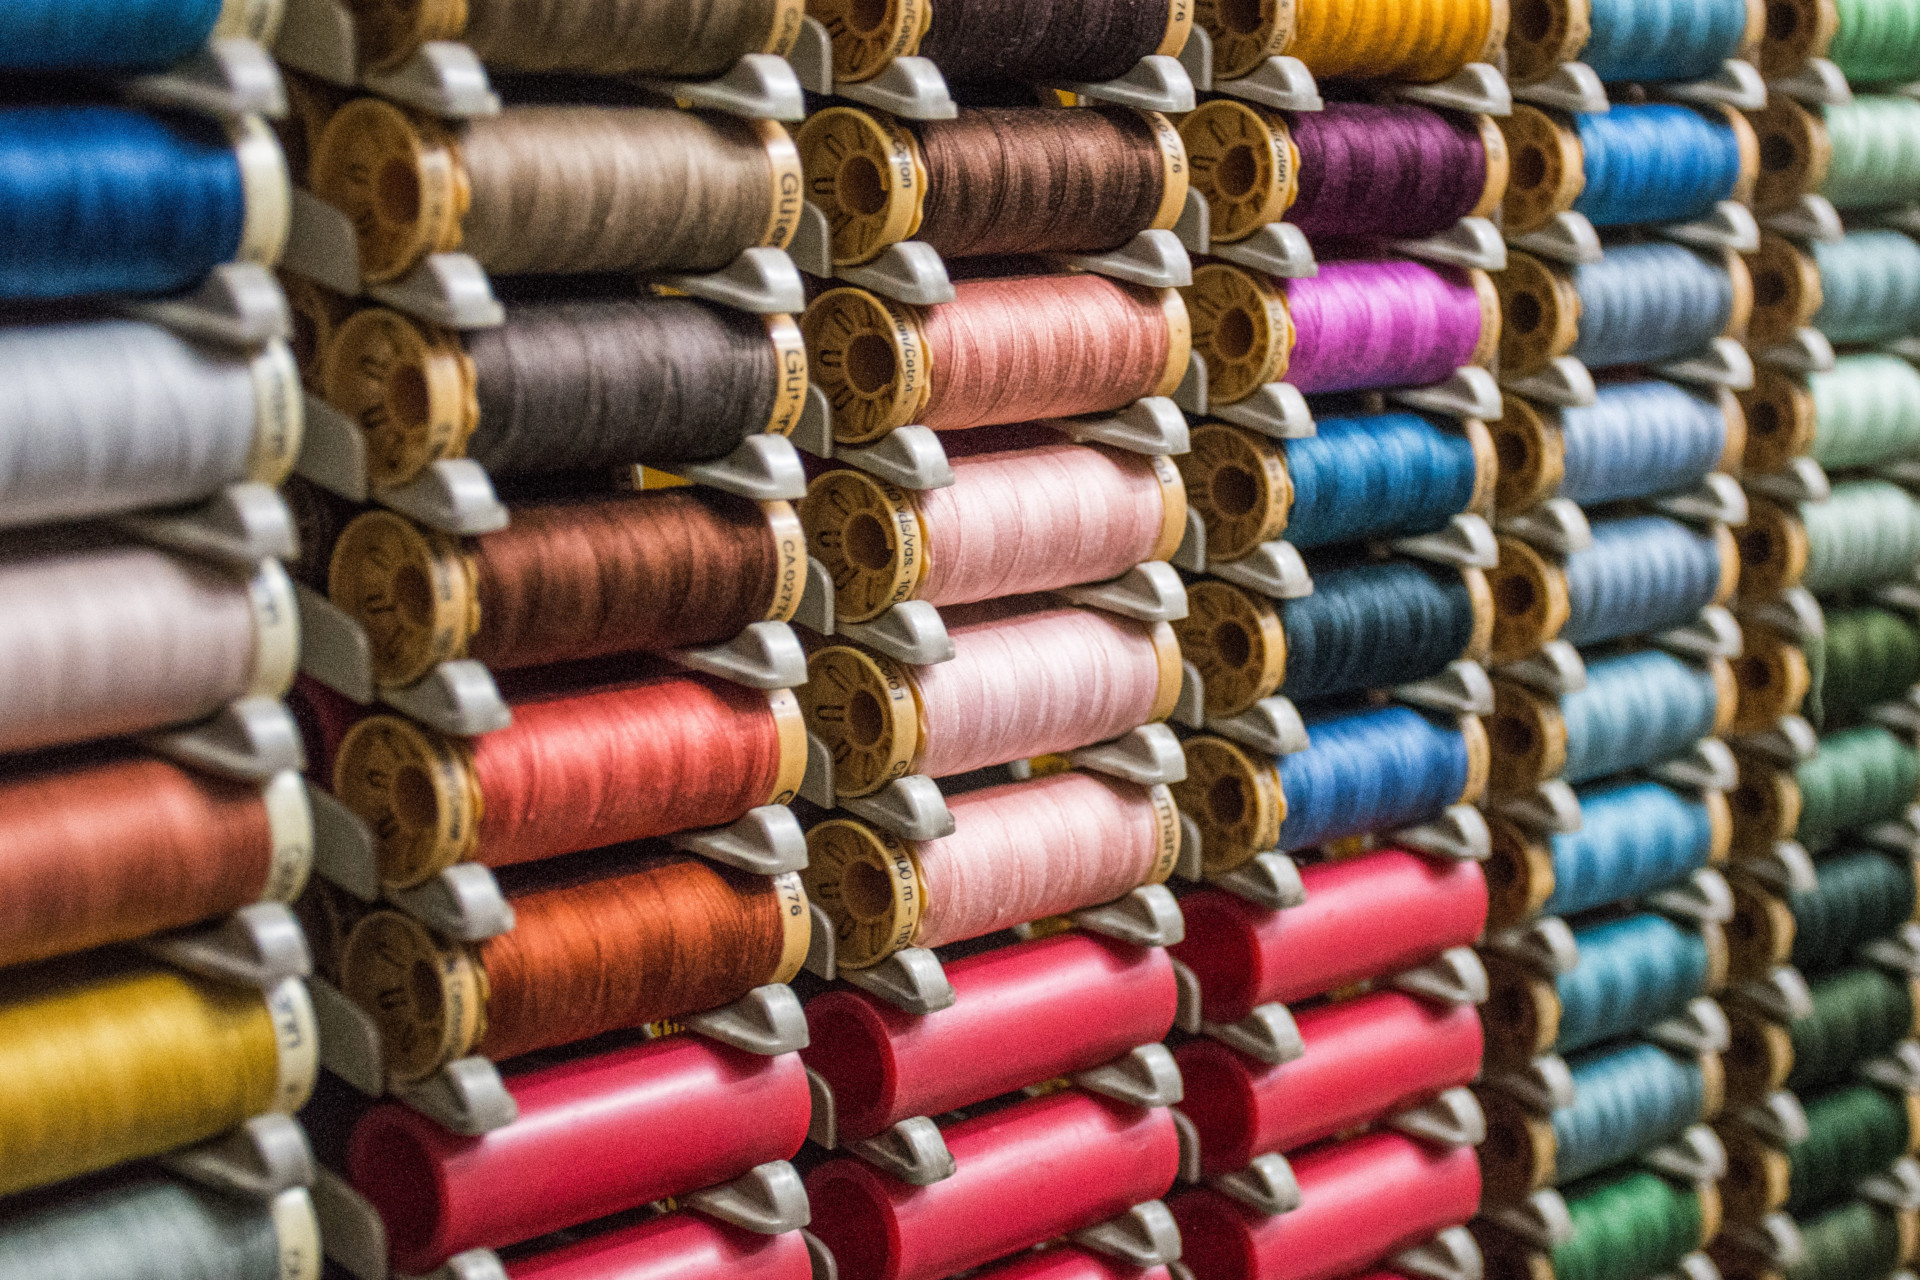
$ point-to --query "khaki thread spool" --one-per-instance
(1237, 482)
(1530, 445)
(1773, 676)
(1381, 39)
(1760, 935)
(1766, 805)
(1795, 153)
(872, 712)
(869, 34)
(872, 177)
(1786, 290)
(529, 190)
(311, 102)
(884, 365)
(1781, 417)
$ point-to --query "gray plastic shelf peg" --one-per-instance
(1571, 87)
(1450, 1255)
(1146, 917)
(1153, 426)
(1807, 351)
(1150, 592)
(1274, 569)
(261, 1158)
(911, 457)
(762, 280)
(766, 655)
(767, 841)
(1722, 363)
(769, 1200)
(1453, 1118)
(1143, 1236)
(913, 1150)
(1551, 808)
(1154, 258)
(911, 632)
(1463, 688)
(1148, 756)
(761, 86)
(1275, 409)
(251, 740)
(1818, 83)
(1555, 668)
(1266, 1185)
(1155, 83)
(1466, 540)
(1564, 382)
(762, 467)
(1144, 1076)
(228, 78)
(1278, 248)
(1730, 227)
(442, 78)
(767, 1021)
(1567, 237)
(1477, 87)
(1455, 976)
(1557, 526)
(238, 305)
(1267, 1033)
(1470, 242)
(1469, 392)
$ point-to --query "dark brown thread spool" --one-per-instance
(1080, 40)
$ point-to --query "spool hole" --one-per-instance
(1777, 152)
(1747, 800)
(867, 16)
(1533, 19)
(1242, 17)
(870, 363)
(1753, 673)
(1512, 451)
(1529, 167)
(1234, 491)
(867, 543)
(1514, 595)
(413, 595)
(1227, 801)
(1233, 334)
(413, 798)
(860, 187)
(1237, 172)
(1783, 20)
(407, 397)
(1524, 312)
(1512, 736)
(396, 192)
(865, 720)
(1763, 418)
(1233, 644)
(1769, 288)
(867, 890)
(1756, 546)
(424, 984)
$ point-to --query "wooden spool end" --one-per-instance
(327, 915)
(869, 34)
(318, 312)
(1773, 550)
(410, 589)
(1794, 32)
(1241, 327)
(1237, 481)
(1781, 421)
(1528, 736)
(1758, 1175)
(1546, 167)
(1542, 34)
(867, 533)
(1760, 935)
(1245, 32)
(416, 792)
(408, 384)
(1773, 679)
(388, 32)
(1786, 289)
(865, 709)
(1234, 637)
(1234, 798)
(1794, 153)
(1539, 310)
(1519, 874)
(868, 884)
(866, 174)
(1532, 452)
(1766, 807)
(1758, 1059)
(1522, 1013)
(398, 178)
(1530, 601)
(427, 1000)
(869, 356)
(1519, 1153)
(1243, 160)
(1507, 1256)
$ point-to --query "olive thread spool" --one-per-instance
(1403, 40)
(1637, 440)
(984, 41)
(999, 181)
(413, 187)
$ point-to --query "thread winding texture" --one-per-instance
(1370, 770)
(1648, 302)
(1634, 837)
(1388, 170)
(1654, 163)
(1417, 40)
(142, 1228)
(1360, 324)
(1866, 534)
(1855, 1241)
(1869, 656)
(1876, 152)
(1858, 896)
(1625, 1100)
(1860, 776)
(1638, 439)
(1852, 1133)
(631, 38)
(1663, 39)
(1636, 709)
(1376, 475)
(1642, 573)
(1042, 40)
(1373, 626)
(1857, 1014)
(1632, 973)
(1627, 1225)
(1866, 410)
(49, 35)
(1869, 287)
(1876, 41)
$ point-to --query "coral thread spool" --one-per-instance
(594, 1136)
(1023, 1013)
(1028, 1173)
(677, 1246)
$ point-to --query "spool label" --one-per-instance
(410, 590)
(298, 1231)
(376, 366)
(276, 631)
(290, 828)
(428, 1003)
(864, 709)
(1179, 27)
(266, 192)
(1175, 172)
(1240, 46)
(791, 729)
(1173, 507)
(1242, 160)
(790, 357)
(864, 42)
(870, 359)
(363, 146)
(846, 151)
(381, 756)
(790, 552)
(1499, 167)
(783, 27)
(279, 417)
(786, 181)
(297, 1037)
(796, 922)
(1166, 833)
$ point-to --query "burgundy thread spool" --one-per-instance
(679, 1246)
(1360, 1201)
(1070, 1263)
(1022, 1013)
(1026, 1173)
(1368, 916)
(1365, 1058)
(595, 1136)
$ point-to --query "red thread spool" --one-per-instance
(116, 851)
(324, 718)
(1364, 1059)
(1022, 1013)
(576, 770)
(1070, 1262)
(1372, 915)
(1359, 1202)
(679, 1246)
(595, 1136)
(1028, 1173)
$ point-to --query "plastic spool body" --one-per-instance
(1544, 34)
(1529, 598)
(1796, 31)
(867, 37)
(1035, 1011)
(1242, 327)
(1245, 35)
(1774, 680)
(1786, 290)
(409, 385)
(1795, 153)
(1245, 955)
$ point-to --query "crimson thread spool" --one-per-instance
(1020, 852)
(578, 189)
(1017, 687)
(1349, 170)
(1016, 521)
(677, 1246)
(614, 942)
(996, 181)
(1081, 40)
(1365, 1058)
(114, 851)
(1023, 1013)
(1357, 325)
(1003, 351)
(1070, 1262)
(1246, 955)
(1026, 1173)
(589, 578)
(1360, 1201)
(595, 1136)
(576, 770)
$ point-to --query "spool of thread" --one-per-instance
(1351, 169)
(1786, 291)
(1760, 934)
(143, 1227)
(1368, 476)
(616, 189)
(578, 769)
(1024, 520)
(1377, 770)
(1360, 1200)
(116, 415)
(1020, 852)
(1859, 777)
(1636, 440)
(1869, 286)
(1034, 1011)
(1856, 1241)
(611, 942)
(1002, 351)
(1025, 1173)
(595, 1136)
(675, 1246)
(994, 40)
(1641, 574)
(1634, 1224)
(1775, 676)
(1636, 709)
(317, 312)
(1862, 412)
(311, 102)
(642, 38)
(1245, 955)
(1795, 153)
(1413, 40)
(1859, 895)
(1866, 534)
(994, 181)
(104, 199)
(1875, 151)
(584, 578)
(323, 717)
(1852, 1133)
(1640, 304)
(1357, 325)
(1650, 40)
(1026, 685)
(1365, 1058)
(1857, 1014)
(108, 1059)
(1369, 626)
(1646, 163)
(327, 915)
(1871, 656)
(114, 851)
(107, 35)
(566, 386)
(1874, 41)
(1634, 838)
(100, 640)
(319, 515)
(1070, 1262)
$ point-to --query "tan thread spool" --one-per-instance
(1796, 31)
(1532, 454)
(1786, 290)
(1244, 162)
(1758, 1058)
(1760, 935)
(1544, 34)
(1234, 799)
(1758, 1176)
(1794, 153)
(1773, 550)
(1539, 313)
(1519, 873)
(1774, 679)
(1521, 1014)
(1242, 327)
(1781, 421)
(1548, 167)
(1237, 481)
(1235, 638)
(1520, 1151)
(1766, 806)
(1530, 600)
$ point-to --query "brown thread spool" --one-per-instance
(1528, 736)
(1786, 289)
(1759, 1175)
(1773, 550)
(559, 189)
(319, 516)
(1549, 167)
(1774, 680)
(1796, 31)
(1529, 598)
(1521, 1013)
(1520, 1153)
(1758, 1059)
(1519, 873)
(1238, 483)
(1241, 323)
(638, 573)
(311, 102)
(1539, 313)
(327, 915)
(1794, 153)
(1760, 935)
(1781, 420)
(1236, 640)
(883, 365)
(1234, 799)
(995, 181)
(1546, 33)
(1244, 161)
(676, 936)
(1532, 454)
(868, 34)
(1766, 806)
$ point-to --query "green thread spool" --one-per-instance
(1853, 1242)
(1869, 656)
(1867, 411)
(1869, 287)
(1860, 776)
(1857, 1014)
(1629, 1226)
(1876, 152)
(1859, 895)
(1878, 41)
(1866, 535)
(1852, 1133)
